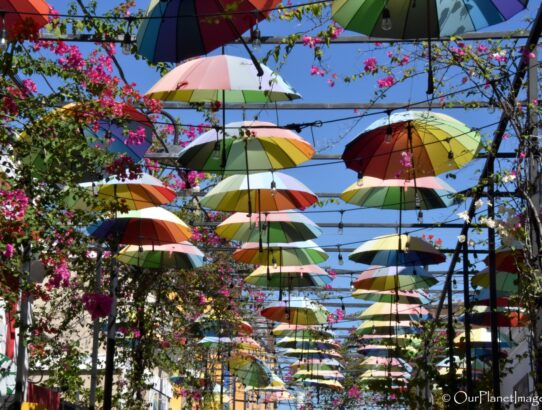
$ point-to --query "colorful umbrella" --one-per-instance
(182, 255)
(255, 146)
(506, 281)
(324, 384)
(319, 374)
(394, 250)
(281, 254)
(298, 310)
(277, 396)
(509, 259)
(394, 277)
(23, 18)
(148, 226)
(398, 311)
(302, 331)
(381, 350)
(289, 277)
(312, 353)
(384, 374)
(481, 338)
(283, 227)
(222, 78)
(277, 384)
(250, 370)
(413, 20)
(241, 343)
(482, 297)
(506, 317)
(419, 193)
(317, 364)
(391, 364)
(407, 339)
(410, 297)
(295, 343)
(208, 325)
(436, 142)
(266, 191)
(176, 30)
(386, 327)
(143, 192)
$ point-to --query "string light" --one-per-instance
(450, 158)
(389, 130)
(273, 186)
(340, 229)
(127, 40)
(360, 178)
(274, 262)
(4, 33)
(256, 38)
(351, 283)
(340, 257)
(386, 23)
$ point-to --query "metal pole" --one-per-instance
(451, 336)
(466, 297)
(95, 336)
(111, 332)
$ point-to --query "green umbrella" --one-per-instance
(394, 277)
(506, 281)
(316, 364)
(294, 342)
(398, 311)
(289, 277)
(250, 370)
(181, 255)
(302, 331)
(386, 327)
(297, 310)
(281, 254)
(411, 297)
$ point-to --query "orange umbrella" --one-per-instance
(23, 18)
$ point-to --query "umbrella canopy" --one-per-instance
(384, 374)
(419, 193)
(481, 338)
(182, 255)
(252, 146)
(383, 363)
(277, 396)
(281, 254)
(23, 18)
(302, 331)
(207, 325)
(241, 343)
(393, 250)
(268, 191)
(394, 277)
(413, 20)
(176, 30)
(222, 78)
(509, 259)
(289, 277)
(386, 327)
(143, 192)
(385, 311)
(148, 226)
(407, 297)
(319, 374)
(482, 297)
(382, 350)
(324, 384)
(320, 364)
(506, 281)
(283, 227)
(250, 370)
(506, 317)
(277, 384)
(295, 343)
(312, 353)
(437, 142)
(406, 339)
(298, 310)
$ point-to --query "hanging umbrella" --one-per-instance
(482, 297)
(250, 370)
(222, 78)
(281, 254)
(393, 250)
(394, 277)
(241, 343)
(409, 297)
(278, 396)
(289, 277)
(318, 374)
(460, 365)
(407, 339)
(255, 146)
(421, 193)
(506, 316)
(181, 255)
(176, 30)
(317, 364)
(398, 311)
(391, 364)
(298, 310)
(23, 18)
(143, 192)
(209, 325)
(324, 384)
(506, 281)
(295, 343)
(148, 226)
(302, 331)
(312, 354)
(509, 259)
(381, 350)
(386, 327)
(283, 226)
(267, 191)
(384, 374)
(437, 142)
(277, 384)
(481, 338)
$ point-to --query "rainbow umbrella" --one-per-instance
(385, 374)
(277, 384)
(278, 396)
(285, 226)
(148, 226)
(295, 343)
(398, 311)
(410, 297)
(506, 281)
(241, 343)
(419, 193)
(316, 364)
(302, 331)
(506, 316)
(318, 374)
(312, 353)
(397, 250)
(324, 384)
(222, 78)
(482, 297)
(298, 310)
(437, 142)
(209, 325)
(23, 18)
(381, 350)
(281, 254)
(392, 364)
(143, 192)
(255, 146)
(509, 259)
(386, 327)
(407, 339)
(181, 255)
(391, 278)
(250, 370)
(460, 364)
(481, 338)
(179, 29)
(260, 192)
(289, 277)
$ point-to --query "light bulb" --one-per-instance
(420, 216)
(360, 178)
(450, 158)
(341, 260)
(127, 44)
(216, 151)
(386, 23)
(4, 37)
(256, 39)
(389, 135)
(340, 229)
(273, 188)
(274, 262)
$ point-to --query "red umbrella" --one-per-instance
(23, 18)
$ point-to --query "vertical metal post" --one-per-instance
(111, 332)
(451, 337)
(95, 335)
(466, 298)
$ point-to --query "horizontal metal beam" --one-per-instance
(331, 249)
(368, 225)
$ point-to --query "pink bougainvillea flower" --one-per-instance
(97, 304)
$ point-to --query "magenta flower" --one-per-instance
(371, 65)
(97, 304)
(386, 82)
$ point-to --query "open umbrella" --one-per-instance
(382, 350)
(482, 297)
(436, 142)
(506, 281)
(255, 146)
(302, 331)
(283, 227)
(410, 297)
(260, 192)
(295, 343)
(143, 192)
(277, 384)
(391, 278)
(403, 340)
(509, 259)
(385, 374)
(312, 354)
(179, 29)
(398, 311)
(421, 193)
(23, 18)
(298, 310)
(481, 338)
(394, 250)
(392, 364)
(386, 327)
(281, 254)
(316, 364)
(209, 325)
(250, 370)
(324, 384)
(506, 316)
(318, 374)
(181, 255)
(278, 396)
(240, 343)
(289, 277)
